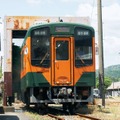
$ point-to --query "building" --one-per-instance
(114, 89)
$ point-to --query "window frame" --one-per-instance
(82, 42)
(41, 62)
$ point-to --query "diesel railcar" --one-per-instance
(58, 64)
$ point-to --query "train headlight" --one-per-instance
(26, 51)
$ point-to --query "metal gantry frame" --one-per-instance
(22, 23)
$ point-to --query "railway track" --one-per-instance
(57, 113)
(66, 115)
(56, 117)
(57, 110)
(80, 115)
(89, 117)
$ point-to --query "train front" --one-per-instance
(61, 64)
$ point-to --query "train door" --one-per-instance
(62, 61)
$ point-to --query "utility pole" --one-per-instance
(101, 58)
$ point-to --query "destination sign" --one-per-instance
(40, 32)
(62, 29)
(83, 33)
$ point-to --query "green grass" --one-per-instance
(35, 116)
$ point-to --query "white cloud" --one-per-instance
(111, 20)
(84, 10)
(111, 29)
(110, 2)
(111, 48)
(112, 45)
(87, 10)
(111, 12)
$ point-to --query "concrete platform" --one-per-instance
(8, 109)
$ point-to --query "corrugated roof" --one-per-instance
(114, 85)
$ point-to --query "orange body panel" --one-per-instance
(79, 71)
(27, 63)
(60, 72)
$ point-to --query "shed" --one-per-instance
(114, 89)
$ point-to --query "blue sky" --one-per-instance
(38, 7)
(75, 8)
(46, 7)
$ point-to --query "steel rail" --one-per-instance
(89, 117)
(56, 117)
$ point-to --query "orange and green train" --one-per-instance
(58, 64)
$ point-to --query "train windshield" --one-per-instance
(60, 47)
(83, 47)
(40, 46)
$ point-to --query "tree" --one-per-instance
(107, 82)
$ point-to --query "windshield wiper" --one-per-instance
(46, 54)
(82, 61)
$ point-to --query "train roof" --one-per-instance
(60, 24)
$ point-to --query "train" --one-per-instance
(58, 64)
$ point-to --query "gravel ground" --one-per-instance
(110, 112)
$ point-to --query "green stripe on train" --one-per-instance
(87, 79)
(34, 80)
